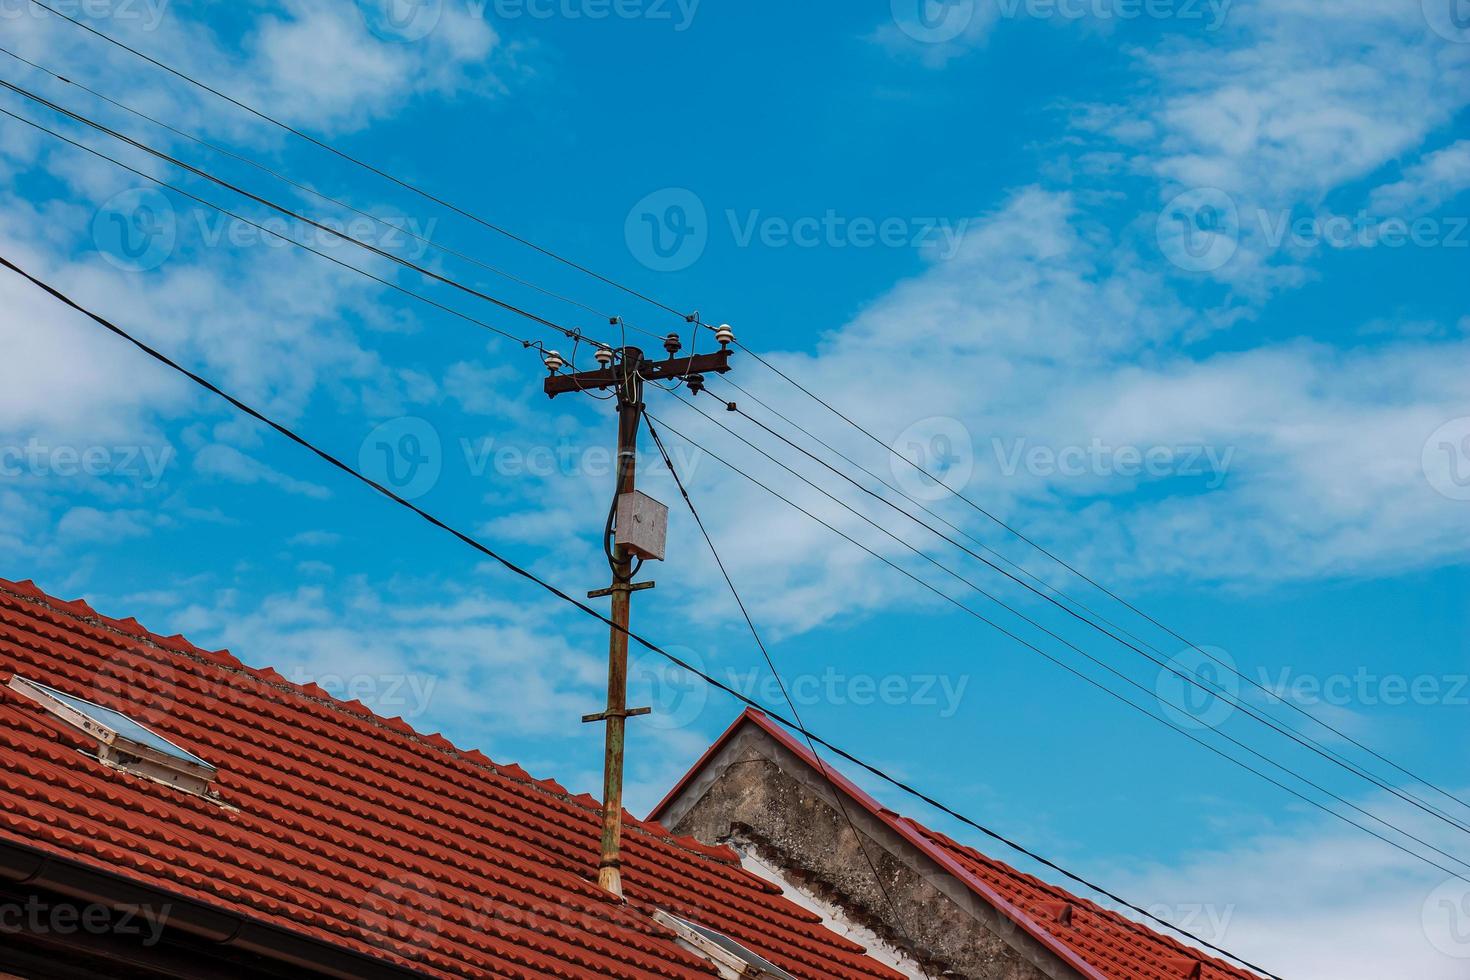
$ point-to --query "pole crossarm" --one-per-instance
(666, 370)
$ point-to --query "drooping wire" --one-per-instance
(287, 212)
(356, 161)
(304, 188)
(1106, 690)
(693, 318)
(1263, 688)
(530, 576)
(529, 344)
(1188, 677)
(785, 694)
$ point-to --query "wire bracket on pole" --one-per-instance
(621, 713)
(617, 587)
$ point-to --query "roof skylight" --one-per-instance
(121, 742)
(728, 957)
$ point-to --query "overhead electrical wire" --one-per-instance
(1009, 634)
(1190, 678)
(305, 188)
(1089, 657)
(357, 161)
(785, 694)
(294, 215)
(531, 344)
(694, 319)
(1263, 688)
(478, 546)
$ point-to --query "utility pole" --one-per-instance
(635, 533)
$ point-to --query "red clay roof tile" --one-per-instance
(355, 829)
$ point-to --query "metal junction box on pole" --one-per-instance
(643, 525)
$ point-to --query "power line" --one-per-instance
(287, 212)
(1096, 661)
(1095, 584)
(1190, 677)
(358, 162)
(694, 318)
(305, 188)
(785, 694)
(535, 344)
(1104, 664)
(530, 576)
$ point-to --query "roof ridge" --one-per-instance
(178, 645)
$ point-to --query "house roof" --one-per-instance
(1100, 943)
(355, 830)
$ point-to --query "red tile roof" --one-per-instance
(1101, 943)
(354, 829)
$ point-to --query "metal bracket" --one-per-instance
(625, 713)
(620, 587)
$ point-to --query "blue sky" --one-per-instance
(1176, 288)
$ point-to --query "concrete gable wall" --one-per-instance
(755, 794)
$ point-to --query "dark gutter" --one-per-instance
(26, 866)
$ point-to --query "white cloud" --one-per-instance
(1287, 899)
(1430, 182)
(228, 463)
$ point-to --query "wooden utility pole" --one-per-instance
(634, 533)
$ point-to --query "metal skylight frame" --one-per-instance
(123, 743)
(730, 959)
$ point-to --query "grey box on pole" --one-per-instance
(643, 525)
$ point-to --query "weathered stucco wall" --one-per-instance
(750, 795)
